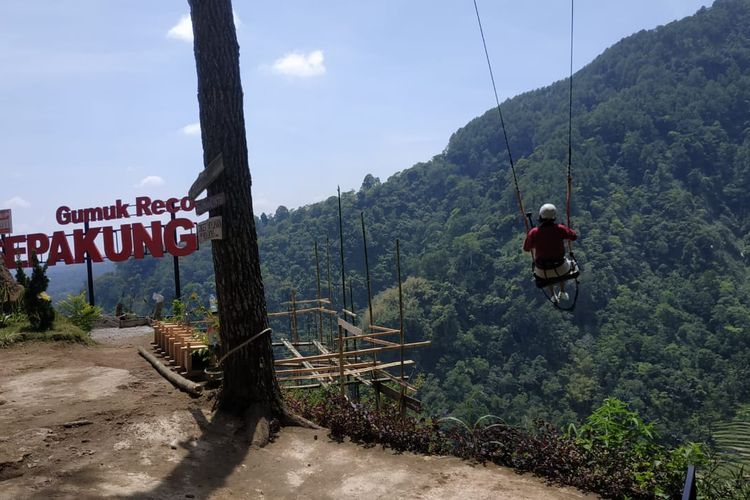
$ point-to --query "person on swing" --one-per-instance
(547, 244)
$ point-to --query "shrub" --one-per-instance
(37, 304)
(77, 309)
(615, 428)
(178, 310)
(614, 454)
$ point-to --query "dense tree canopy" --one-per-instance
(661, 166)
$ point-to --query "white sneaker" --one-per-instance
(563, 296)
(554, 298)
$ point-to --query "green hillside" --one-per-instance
(661, 167)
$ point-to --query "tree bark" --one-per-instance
(249, 377)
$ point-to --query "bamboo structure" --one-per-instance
(351, 355)
(350, 360)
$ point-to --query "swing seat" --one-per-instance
(553, 272)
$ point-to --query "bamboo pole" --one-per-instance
(341, 250)
(317, 275)
(307, 364)
(347, 372)
(295, 336)
(368, 338)
(315, 386)
(281, 344)
(351, 301)
(369, 335)
(350, 354)
(323, 368)
(384, 329)
(330, 290)
(308, 301)
(369, 301)
(402, 408)
(303, 311)
(341, 363)
(397, 380)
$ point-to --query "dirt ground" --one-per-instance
(99, 422)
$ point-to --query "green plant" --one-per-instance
(597, 458)
(188, 309)
(37, 303)
(203, 357)
(717, 484)
(614, 428)
(77, 309)
(19, 330)
(178, 310)
(16, 316)
(613, 425)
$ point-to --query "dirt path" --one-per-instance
(99, 422)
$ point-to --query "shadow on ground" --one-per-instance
(223, 445)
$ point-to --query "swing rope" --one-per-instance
(527, 217)
(570, 130)
(502, 122)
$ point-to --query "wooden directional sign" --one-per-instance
(207, 177)
(210, 229)
(209, 203)
(6, 221)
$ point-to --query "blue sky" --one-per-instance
(98, 97)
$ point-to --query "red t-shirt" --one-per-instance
(547, 241)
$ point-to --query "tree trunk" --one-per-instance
(249, 377)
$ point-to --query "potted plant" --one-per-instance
(214, 373)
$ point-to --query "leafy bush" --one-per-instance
(16, 316)
(36, 302)
(77, 309)
(615, 428)
(178, 310)
(614, 454)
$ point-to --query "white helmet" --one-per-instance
(548, 212)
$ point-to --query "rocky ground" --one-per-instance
(99, 422)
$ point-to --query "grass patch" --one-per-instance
(62, 331)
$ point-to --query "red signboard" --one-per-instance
(132, 239)
(6, 221)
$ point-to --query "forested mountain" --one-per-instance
(661, 170)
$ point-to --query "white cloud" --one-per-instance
(300, 64)
(151, 181)
(16, 202)
(192, 129)
(183, 30)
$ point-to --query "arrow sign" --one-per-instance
(210, 229)
(209, 203)
(207, 177)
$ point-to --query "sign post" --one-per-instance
(207, 177)
(209, 203)
(176, 266)
(6, 221)
(210, 229)
(6, 226)
(89, 271)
